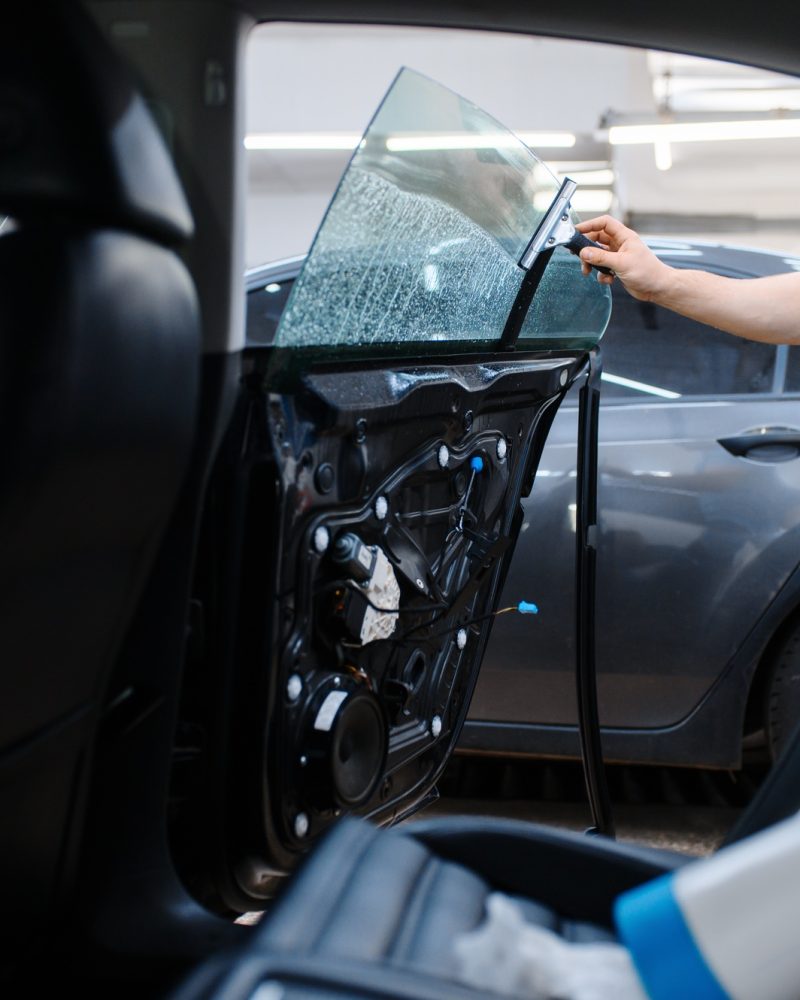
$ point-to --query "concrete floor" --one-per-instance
(679, 809)
(695, 830)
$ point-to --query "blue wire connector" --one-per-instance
(527, 608)
(476, 464)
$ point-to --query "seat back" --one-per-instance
(99, 356)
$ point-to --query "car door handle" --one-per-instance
(765, 444)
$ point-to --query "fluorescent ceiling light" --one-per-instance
(461, 140)
(302, 140)
(601, 178)
(663, 155)
(550, 140)
(597, 200)
(666, 132)
(572, 166)
(730, 99)
(322, 141)
(594, 177)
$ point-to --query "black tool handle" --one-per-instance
(578, 242)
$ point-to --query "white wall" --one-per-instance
(331, 78)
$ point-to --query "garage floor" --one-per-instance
(681, 809)
(695, 830)
(678, 809)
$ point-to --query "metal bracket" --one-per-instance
(556, 228)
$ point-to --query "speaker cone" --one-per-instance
(345, 743)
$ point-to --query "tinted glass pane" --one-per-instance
(422, 239)
(568, 306)
(668, 356)
(264, 308)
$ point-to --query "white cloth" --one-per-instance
(509, 956)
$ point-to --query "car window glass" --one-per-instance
(423, 237)
(792, 383)
(265, 305)
(568, 307)
(652, 353)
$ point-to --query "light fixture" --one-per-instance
(466, 140)
(593, 176)
(347, 141)
(583, 200)
(739, 100)
(663, 154)
(697, 131)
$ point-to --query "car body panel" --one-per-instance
(695, 545)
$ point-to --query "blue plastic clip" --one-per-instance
(526, 608)
(476, 463)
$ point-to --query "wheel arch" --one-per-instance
(755, 709)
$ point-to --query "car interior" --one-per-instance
(173, 742)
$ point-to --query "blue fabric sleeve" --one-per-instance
(652, 928)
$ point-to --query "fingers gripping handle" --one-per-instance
(578, 242)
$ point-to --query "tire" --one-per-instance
(783, 694)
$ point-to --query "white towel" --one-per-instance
(509, 956)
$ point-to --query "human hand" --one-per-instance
(641, 272)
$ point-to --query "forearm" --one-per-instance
(764, 309)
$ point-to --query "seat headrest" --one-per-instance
(76, 139)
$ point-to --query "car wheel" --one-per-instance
(783, 694)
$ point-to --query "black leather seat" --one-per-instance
(374, 913)
(99, 358)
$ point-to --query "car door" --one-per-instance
(698, 494)
(367, 500)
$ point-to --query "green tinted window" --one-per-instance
(568, 307)
(422, 239)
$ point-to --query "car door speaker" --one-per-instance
(345, 743)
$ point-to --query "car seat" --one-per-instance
(374, 913)
(100, 359)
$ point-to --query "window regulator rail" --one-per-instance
(585, 601)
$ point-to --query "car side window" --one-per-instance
(792, 383)
(651, 353)
(264, 308)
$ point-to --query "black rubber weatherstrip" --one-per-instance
(585, 589)
(522, 302)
